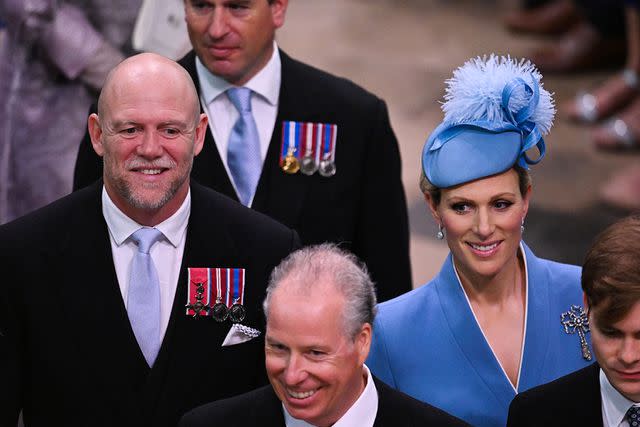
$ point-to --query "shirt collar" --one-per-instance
(265, 83)
(614, 404)
(362, 413)
(121, 226)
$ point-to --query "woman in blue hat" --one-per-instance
(496, 320)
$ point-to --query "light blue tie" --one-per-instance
(243, 153)
(143, 299)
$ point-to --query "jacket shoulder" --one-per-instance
(240, 218)
(322, 83)
(232, 412)
(395, 406)
(567, 395)
(50, 223)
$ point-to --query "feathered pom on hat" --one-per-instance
(475, 92)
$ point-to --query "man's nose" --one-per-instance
(295, 372)
(150, 146)
(218, 24)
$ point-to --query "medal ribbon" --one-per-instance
(329, 134)
(290, 140)
(194, 276)
(238, 285)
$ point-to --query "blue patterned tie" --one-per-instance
(243, 153)
(143, 299)
(633, 416)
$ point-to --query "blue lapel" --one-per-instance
(536, 340)
(468, 335)
(472, 342)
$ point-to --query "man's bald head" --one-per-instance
(148, 130)
(147, 67)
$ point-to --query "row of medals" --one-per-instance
(220, 312)
(307, 165)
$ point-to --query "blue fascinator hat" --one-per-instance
(495, 110)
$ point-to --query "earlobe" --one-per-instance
(278, 12)
(200, 132)
(95, 132)
(363, 341)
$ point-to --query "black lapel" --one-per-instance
(587, 398)
(280, 195)
(207, 245)
(269, 412)
(93, 305)
(208, 168)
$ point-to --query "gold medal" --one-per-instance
(291, 164)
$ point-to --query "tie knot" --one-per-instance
(240, 97)
(633, 416)
(145, 237)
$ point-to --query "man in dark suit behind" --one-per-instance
(320, 307)
(362, 205)
(606, 393)
(93, 324)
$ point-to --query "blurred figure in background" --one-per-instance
(590, 33)
(53, 60)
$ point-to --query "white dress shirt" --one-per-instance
(166, 253)
(265, 87)
(614, 404)
(361, 414)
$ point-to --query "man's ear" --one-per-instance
(278, 12)
(95, 132)
(363, 341)
(200, 132)
(585, 302)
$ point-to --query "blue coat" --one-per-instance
(428, 344)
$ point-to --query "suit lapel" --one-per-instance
(536, 338)
(278, 194)
(208, 168)
(93, 305)
(207, 245)
(584, 402)
(281, 195)
(268, 409)
(469, 336)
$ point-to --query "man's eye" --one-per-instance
(129, 131)
(171, 131)
(238, 6)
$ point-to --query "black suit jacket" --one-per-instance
(68, 355)
(363, 205)
(572, 400)
(262, 407)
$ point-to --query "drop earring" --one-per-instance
(522, 226)
(440, 233)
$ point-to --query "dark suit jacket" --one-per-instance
(363, 205)
(572, 400)
(68, 355)
(262, 407)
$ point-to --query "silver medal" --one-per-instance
(308, 166)
(327, 168)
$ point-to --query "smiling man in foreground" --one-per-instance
(107, 298)
(320, 307)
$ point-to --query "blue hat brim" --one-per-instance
(454, 155)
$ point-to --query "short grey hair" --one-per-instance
(343, 270)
